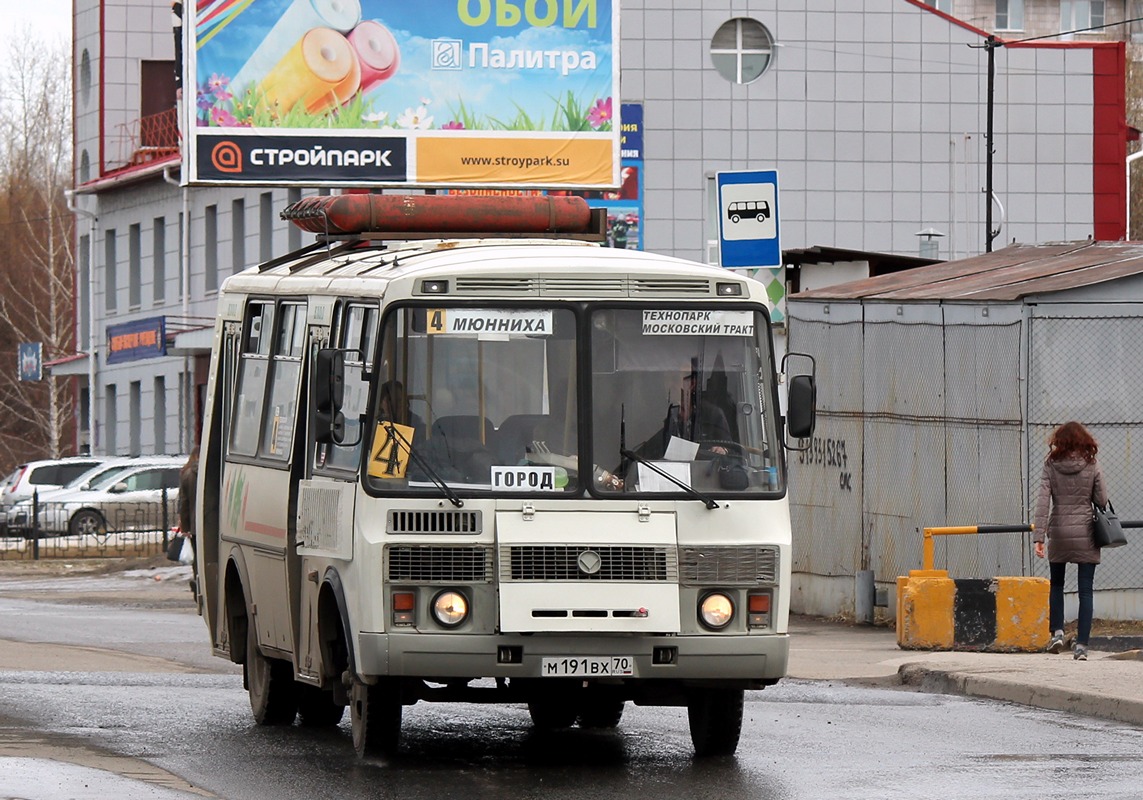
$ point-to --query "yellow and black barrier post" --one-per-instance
(1003, 614)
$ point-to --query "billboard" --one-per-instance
(436, 93)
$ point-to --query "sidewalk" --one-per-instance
(1109, 685)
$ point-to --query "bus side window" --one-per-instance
(280, 414)
(355, 332)
(250, 393)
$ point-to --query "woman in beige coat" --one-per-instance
(1070, 483)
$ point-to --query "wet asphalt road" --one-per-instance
(189, 733)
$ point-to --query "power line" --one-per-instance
(1069, 33)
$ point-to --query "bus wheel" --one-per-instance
(716, 720)
(270, 682)
(375, 712)
(549, 713)
(600, 712)
(316, 707)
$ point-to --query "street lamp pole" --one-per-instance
(990, 46)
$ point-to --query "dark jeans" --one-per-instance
(1056, 599)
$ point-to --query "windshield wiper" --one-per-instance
(423, 463)
(633, 456)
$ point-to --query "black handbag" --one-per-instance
(1106, 528)
(175, 547)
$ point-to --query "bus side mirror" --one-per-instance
(329, 394)
(801, 407)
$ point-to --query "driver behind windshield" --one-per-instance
(690, 416)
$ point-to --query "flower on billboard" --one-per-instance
(415, 120)
(377, 117)
(215, 103)
(600, 113)
(223, 118)
(453, 125)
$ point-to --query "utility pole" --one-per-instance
(990, 46)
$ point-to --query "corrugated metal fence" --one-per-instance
(922, 411)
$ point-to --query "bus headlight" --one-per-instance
(716, 610)
(450, 608)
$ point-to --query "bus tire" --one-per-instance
(316, 707)
(600, 712)
(270, 683)
(550, 713)
(715, 717)
(375, 714)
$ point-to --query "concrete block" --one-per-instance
(1021, 615)
(925, 610)
(1002, 615)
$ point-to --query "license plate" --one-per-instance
(587, 666)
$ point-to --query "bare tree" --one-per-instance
(37, 284)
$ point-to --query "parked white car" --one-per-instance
(41, 476)
(20, 514)
(128, 501)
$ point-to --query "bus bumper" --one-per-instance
(419, 655)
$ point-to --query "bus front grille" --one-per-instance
(587, 563)
(399, 521)
(729, 566)
(438, 564)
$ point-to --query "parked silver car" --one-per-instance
(21, 514)
(128, 501)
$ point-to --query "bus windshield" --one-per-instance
(683, 394)
(479, 398)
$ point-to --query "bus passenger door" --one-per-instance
(329, 481)
(215, 434)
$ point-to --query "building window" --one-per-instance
(84, 167)
(182, 265)
(134, 266)
(159, 126)
(135, 411)
(1076, 15)
(160, 415)
(111, 287)
(159, 257)
(293, 232)
(742, 50)
(110, 421)
(84, 299)
(210, 257)
(1009, 15)
(710, 223)
(942, 5)
(237, 235)
(84, 419)
(266, 226)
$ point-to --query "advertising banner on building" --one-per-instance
(132, 341)
(435, 93)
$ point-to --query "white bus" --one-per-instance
(513, 467)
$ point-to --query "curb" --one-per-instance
(1085, 702)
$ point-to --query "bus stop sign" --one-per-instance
(748, 219)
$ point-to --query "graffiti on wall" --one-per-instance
(829, 454)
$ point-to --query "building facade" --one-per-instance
(874, 113)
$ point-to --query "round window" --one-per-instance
(741, 50)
